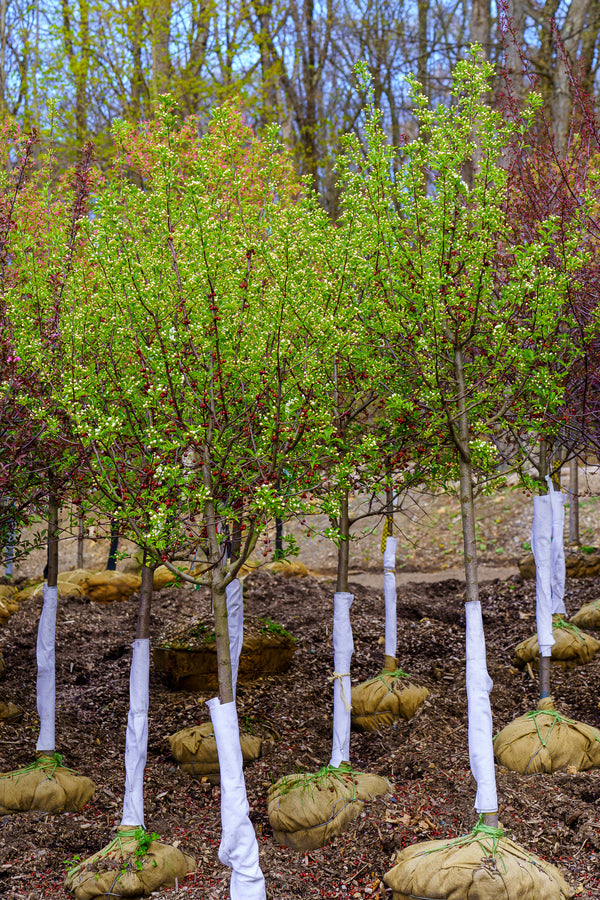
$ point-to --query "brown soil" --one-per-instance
(426, 758)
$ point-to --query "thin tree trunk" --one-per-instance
(219, 600)
(80, 538)
(143, 621)
(574, 537)
(52, 576)
(344, 546)
(278, 538)
(111, 563)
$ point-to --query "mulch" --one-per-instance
(426, 759)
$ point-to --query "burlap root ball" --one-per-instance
(67, 590)
(110, 587)
(477, 866)
(545, 741)
(383, 699)
(132, 865)
(10, 712)
(46, 786)
(572, 647)
(308, 810)
(588, 616)
(195, 749)
(75, 576)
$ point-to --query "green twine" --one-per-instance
(568, 626)
(478, 835)
(312, 779)
(48, 763)
(138, 833)
(556, 716)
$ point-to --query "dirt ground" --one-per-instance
(426, 759)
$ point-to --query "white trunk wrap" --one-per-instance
(557, 550)
(389, 593)
(136, 740)
(343, 648)
(46, 669)
(238, 848)
(479, 685)
(235, 625)
(541, 541)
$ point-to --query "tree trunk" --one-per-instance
(219, 601)
(160, 31)
(574, 537)
(52, 576)
(562, 99)
(80, 538)
(344, 546)
(111, 563)
(481, 21)
(278, 539)
(143, 620)
(515, 38)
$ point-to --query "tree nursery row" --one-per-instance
(190, 348)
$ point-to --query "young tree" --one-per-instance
(469, 312)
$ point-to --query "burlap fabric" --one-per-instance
(8, 602)
(75, 576)
(132, 865)
(7, 591)
(482, 865)
(45, 785)
(9, 712)
(110, 587)
(545, 741)
(383, 699)
(308, 810)
(588, 616)
(67, 590)
(289, 569)
(577, 565)
(195, 749)
(572, 647)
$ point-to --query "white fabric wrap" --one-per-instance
(541, 538)
(557, 553)
(235, 625)
(46, 669)
(389, 593)
(136, 739)
(479, 685)
(239, 847)
(343, 648)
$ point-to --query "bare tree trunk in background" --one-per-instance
(481, 23)
(3, 7)
(137, 74)
(515, 39)
(160, 32)
(566, 58)
(78, 58)
(574, 537)
(423, 7)
(588, 47)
